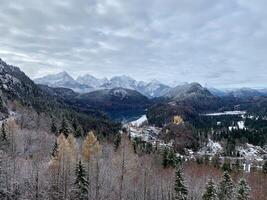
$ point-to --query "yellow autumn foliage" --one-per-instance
(178, 120)
(67, 149)
(91, 147)
(72, 146)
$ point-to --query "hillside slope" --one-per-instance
(118, 103)
(21, 92)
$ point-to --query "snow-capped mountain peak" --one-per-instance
(154, 89)
(53, 79)
(91, 81)
(63, 79)
(121, 81)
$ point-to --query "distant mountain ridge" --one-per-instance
(63, 79)
(239, 92)
(188, 91)
(88, 83)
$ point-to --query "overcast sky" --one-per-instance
(220, 43)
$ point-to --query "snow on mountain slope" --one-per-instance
(56, 79)
(91, 81)
(189, 91)
(153, 89)
(63, 79)
(150, 89)
(122, 82)
(119, 92)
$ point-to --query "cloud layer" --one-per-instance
(220, 43)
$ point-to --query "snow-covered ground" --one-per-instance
(148, 134)
(235, 112)
(240, 125)
(211, 148)
(251, 152)
(139, 121)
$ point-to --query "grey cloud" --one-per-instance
(219, 43)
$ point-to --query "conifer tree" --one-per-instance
(54, 153)
(169, 158)
(79, 131)
(210, 192)
(165, 158)
(53, 126)
(237, 165)
(135, 144)
(149, 148)
(264, 168)
(243, 190)
(3, 133)
(3, 193)
(172, 158)
(81, 184)
(75, 124)
(180, 189)
(117, 141)
(65, 127)
(226, 166)
(226, 187)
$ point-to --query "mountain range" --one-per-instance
(88, 83)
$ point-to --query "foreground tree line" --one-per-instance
(225, 189)
(36, 165)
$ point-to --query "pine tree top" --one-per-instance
(243, 190)
(210, 193)
(180, 188)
